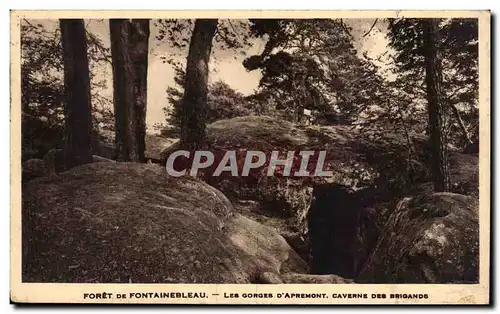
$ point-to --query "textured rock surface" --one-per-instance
(355, 158)
(155, 144)
(432, 238)
(128, 222)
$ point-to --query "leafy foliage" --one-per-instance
(312, 64)
(305, 64)
(459, 57)
(403, 104)
(43, 89)
(223, 103)
(231, 35)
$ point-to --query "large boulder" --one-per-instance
(370, 226)
(128, 222)
(357, 159)
(378, 170)
(284, 197)
(431, 238)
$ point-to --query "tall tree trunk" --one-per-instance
(77, 105)
(438, 141)
(129, 51)
(193, 108)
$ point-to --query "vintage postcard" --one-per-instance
(250, 157)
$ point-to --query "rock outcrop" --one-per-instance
(432, 238)
(357, 160)
(128, 222)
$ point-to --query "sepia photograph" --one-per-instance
(294, 159)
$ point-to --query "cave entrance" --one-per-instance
(333, 222)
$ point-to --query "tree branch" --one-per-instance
(373, 25)
(92, 39)
(234, 30)
(223, 37)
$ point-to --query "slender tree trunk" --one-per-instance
(196, 85)
(438, 141)
(129, 50)
(77, 105)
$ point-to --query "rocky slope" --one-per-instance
(376, 168)
(127, 222)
